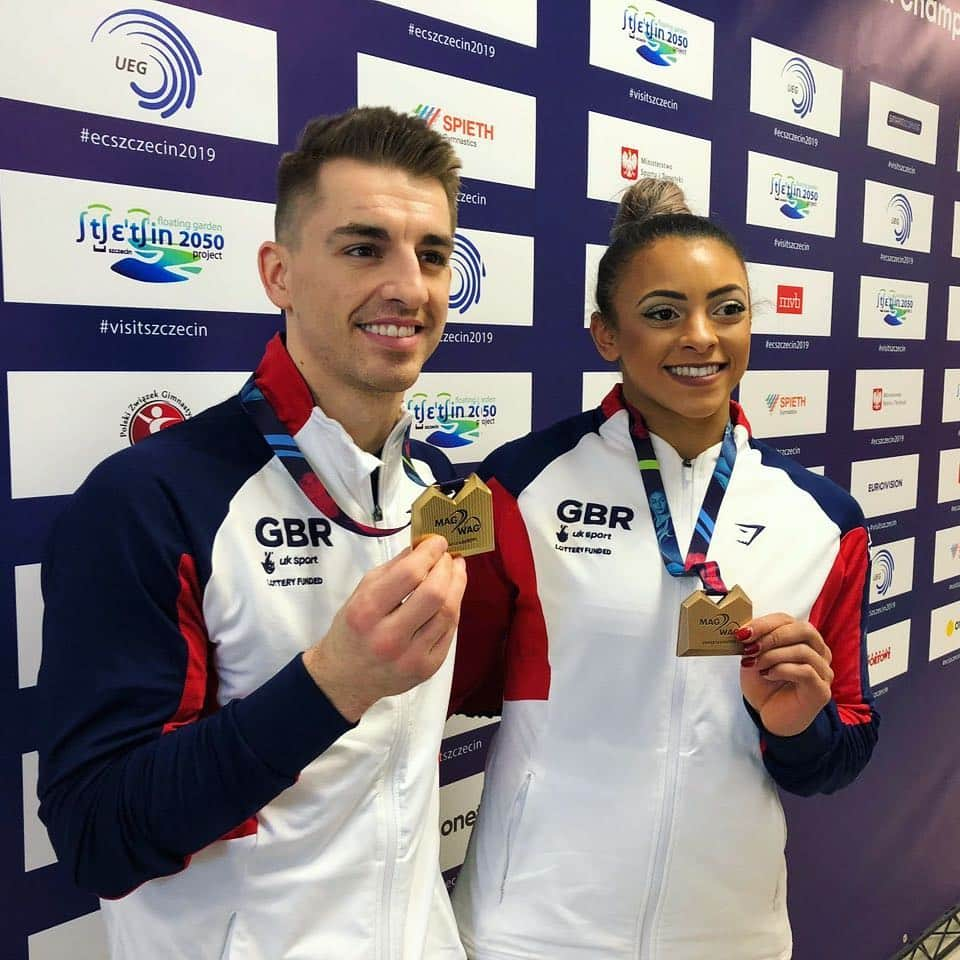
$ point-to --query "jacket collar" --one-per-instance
(615, 401)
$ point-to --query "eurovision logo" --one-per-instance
(895, 308)
(901, 217)
(801, 85)
(796, 199)
(468, 274)
(151, 249)
(160, 55)
(454, 421)
(151, 413)
(662, 43)
(883, 567)
(789, 299)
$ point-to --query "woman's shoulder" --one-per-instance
(833, 499)
(517, 463)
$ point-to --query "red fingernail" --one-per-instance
(748, 661)
(751, 649)
(744, 633)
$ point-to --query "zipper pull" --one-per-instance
(377, 513)
(687, 463)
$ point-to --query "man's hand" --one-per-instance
(394, 631)
(785, 674)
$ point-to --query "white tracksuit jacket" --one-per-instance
(192, 772)
(629, 809)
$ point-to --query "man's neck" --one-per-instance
(368, 416)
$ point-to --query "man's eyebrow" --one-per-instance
(438, 240)
(370, 232)
(365, 230)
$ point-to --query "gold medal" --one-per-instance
(707, 627)
(465, 519)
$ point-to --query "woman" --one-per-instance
(629, 807)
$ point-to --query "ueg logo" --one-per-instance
(629, 163)
(457, 420)
(800, 85)
(143, 34)
(796, 198)
(789, 299)
(468, 273)
(465, 131)
(590, 514)
(883, 566)
(901, 217)
(151, 249)
(661, 43)
(150, 413)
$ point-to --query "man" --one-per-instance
(244, 673)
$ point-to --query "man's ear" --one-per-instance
(273, 262)
(604, 337)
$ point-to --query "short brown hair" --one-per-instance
(377, 135)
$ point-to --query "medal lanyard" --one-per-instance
(290, 455)
(696, 563)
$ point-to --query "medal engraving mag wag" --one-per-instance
(707, 628)
(464, 517)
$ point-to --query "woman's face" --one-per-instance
(681, 331)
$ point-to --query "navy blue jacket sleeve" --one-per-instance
(138, 767)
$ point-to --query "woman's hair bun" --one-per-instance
(647, 198)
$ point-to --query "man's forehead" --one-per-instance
(349, 190)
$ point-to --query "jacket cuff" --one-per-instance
(289, 721)
(803, 748)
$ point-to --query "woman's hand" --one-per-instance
(785, 673)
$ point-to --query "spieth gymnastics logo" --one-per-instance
(468, 271)
(662, 42)
(883, 566)
(895, 308)
(172, 55)
(454, 421)
(796, 199)
(901, 217)
(801, 85)
(151, 249)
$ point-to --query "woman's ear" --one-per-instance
(605, 337)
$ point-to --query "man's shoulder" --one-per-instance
(516, 464)
(220, 446)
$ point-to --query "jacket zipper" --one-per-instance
(665, 824)
(388, 786)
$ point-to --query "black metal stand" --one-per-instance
(943, 938)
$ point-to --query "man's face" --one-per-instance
(365, 281)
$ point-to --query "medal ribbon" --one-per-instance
(696, 562)
(290, 455)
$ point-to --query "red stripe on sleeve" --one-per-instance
(838, 615)
(194, 632)
(528, 654)
(502, 650)
(199, 696)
